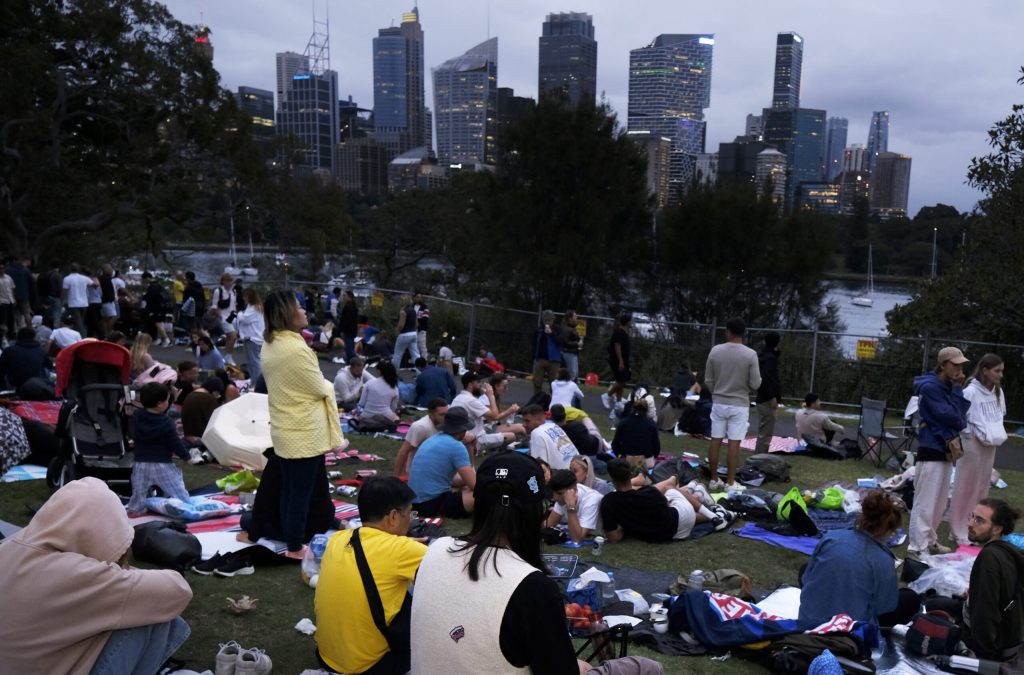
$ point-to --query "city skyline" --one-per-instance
(942, 105)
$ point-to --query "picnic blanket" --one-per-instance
(24, 472)
(804, 545)
(777, 444)
(350, 457)
(342, 510)
(46, 412)
(14, 446)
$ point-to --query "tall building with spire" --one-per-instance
(567, 63)
(669, 89)
(202, 42)
(878, 137)
(465, 106)
(399, 113)
(789, 64)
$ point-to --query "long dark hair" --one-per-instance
(495, 526)
(388, 373)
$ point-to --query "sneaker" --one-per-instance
(234, 566)
(735, 487)
(209, 566)
(227, 657)
(253, 662)
(716, 485)
(938, 549)
(723, 518)
(700, 492)
(606, 400)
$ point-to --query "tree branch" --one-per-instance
(93, 223)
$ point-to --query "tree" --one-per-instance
(978, 297)
(112, 128)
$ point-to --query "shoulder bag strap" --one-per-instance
(369, 585)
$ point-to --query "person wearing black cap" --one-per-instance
(511, 618)
(441, 463)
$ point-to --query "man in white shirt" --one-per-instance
(578, 506)
(547, 440)
(419, 431)
(473, 387)
(349, 383)
(75, 296)
(63, 337)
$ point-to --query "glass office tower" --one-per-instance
(567, 64)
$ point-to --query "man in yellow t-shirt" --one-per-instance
(347, 638)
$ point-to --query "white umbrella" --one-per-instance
(239, 432)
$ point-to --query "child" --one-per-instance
(565, 391)
(155, 440)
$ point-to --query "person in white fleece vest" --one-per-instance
(982, 437)
(483, 603)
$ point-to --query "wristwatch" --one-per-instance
(570, 509)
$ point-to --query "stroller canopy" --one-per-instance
(91, 351)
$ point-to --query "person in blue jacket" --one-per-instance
(943, 411)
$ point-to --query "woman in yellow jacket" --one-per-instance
(303, 414)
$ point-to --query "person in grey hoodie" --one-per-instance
(731, 373)
(982, 437)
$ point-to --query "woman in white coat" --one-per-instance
(984, 434)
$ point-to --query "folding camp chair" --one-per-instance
(880, 443)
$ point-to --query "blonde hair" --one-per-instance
(140, 348)
(279, 309)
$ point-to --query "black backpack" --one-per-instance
(772, 466)
(794, 653)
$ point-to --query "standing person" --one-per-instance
(225, 299)
(303, 414)
(156, 298)
(7, 307)
(547, 355)
(93, 317)
(521, 626)
(347, 637)
(97, 614)
(769, 393)
(178, 294)
(618, 359)
(943, 411)
(348, 322)
(108, 300)
(250, 330)
(422, 323)
(571, 343)
(74, 294)
(194, 292)
(406, 333)
(731, 373)
(982, 437)
(24, 289)
(55, 281)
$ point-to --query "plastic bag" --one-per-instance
(640, 605)
(947, 578)
(585, 594)
(830, 498)
(240, 481)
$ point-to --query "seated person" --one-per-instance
(198, 409)
(547, 440)
(62, 337)
(811, 421)
(207, 355)
(440, 464)
(564, 391)
(586, 443)
(23, 360)
(419, 431)
(636, 436)
(576, 505)
(188, 375)
(117, 337)
(231, 391)
(348, 640)
(583, 467)
(655, 513)
(349, 383)
(97, 614)
(156, 440)
(324, 340)
(469, 399)
(44, 329)
(433, 382)
(380, 401)
(870, 590)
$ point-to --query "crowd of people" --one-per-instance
(516, 473)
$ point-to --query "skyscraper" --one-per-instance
(259, 105)
(798, 133)
(568, 58)
(754, 126)
(398, 86)
(789, 62)
(835, 144)
(659, 163)
(890, 184)
(465, 102)
(771, 172)
(854, 159)
(307, 107)
(878, 137)
(669, 88)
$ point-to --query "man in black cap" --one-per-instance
(442, 463)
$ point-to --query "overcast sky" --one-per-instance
(945, 70)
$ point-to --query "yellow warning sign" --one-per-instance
(581, 328)
(377, 300)
(866, 349)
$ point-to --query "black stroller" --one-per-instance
(92, 378)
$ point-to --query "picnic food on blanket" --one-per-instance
(582, 619)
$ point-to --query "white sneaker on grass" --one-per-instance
(735, 487)
(253, 662)
(716, 485)
(227, 657)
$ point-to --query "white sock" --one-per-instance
(707, 513)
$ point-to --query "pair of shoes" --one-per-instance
(229, 565)
(695, 488)
(716, 485)
(735, 487)
(209, 566)
(938, 549)
(233, 659)
(606, 400)
(723, 518)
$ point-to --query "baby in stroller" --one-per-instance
(155, 441)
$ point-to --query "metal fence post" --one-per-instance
(714, 328)
(926, 351)
(814, 357)
(472, 332)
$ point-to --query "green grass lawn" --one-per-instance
(284, 599)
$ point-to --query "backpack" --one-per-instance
(933, 634)
(726, 581)
(774, 468)
(750, 507)
(793, 510)
(794, 653)
(166, 544)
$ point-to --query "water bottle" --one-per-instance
(696, 581)
(318, 545)
(608, 591)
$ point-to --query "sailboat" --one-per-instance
(867, 300)
(233, 269)
(250, 269)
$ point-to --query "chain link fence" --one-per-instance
(841, 367)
